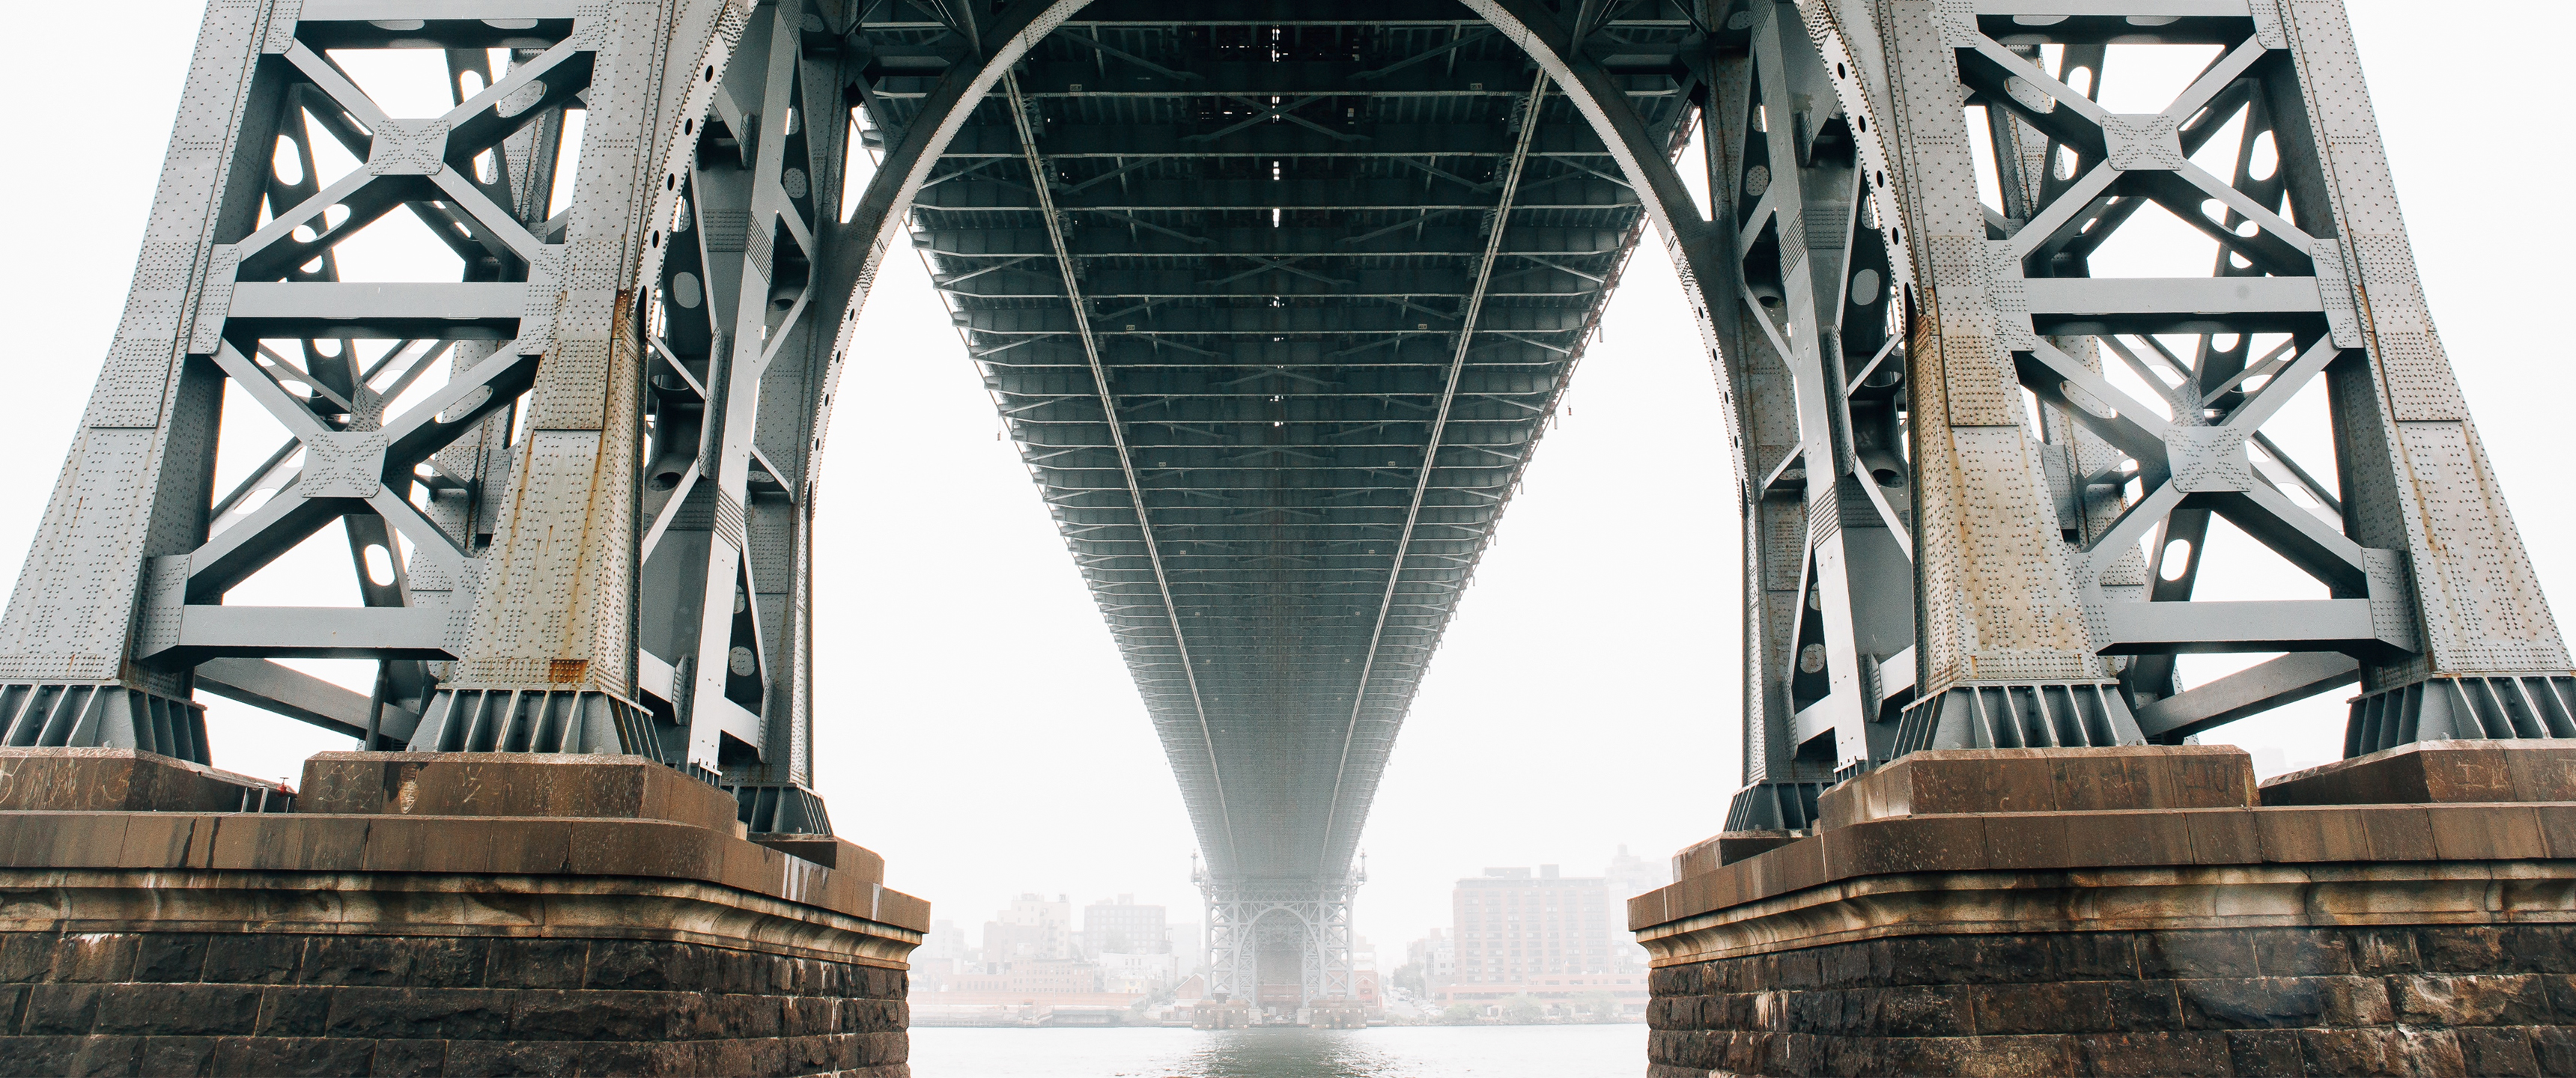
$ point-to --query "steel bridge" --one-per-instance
(1276, 299)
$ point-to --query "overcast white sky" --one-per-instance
(975, 723)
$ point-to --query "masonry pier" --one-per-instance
(431, 914)
(2134, 911)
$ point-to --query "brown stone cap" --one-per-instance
(477, 845)
(1726, 848)
(2044, 780)
(2435, 772)
(511, 784)
(2076, 841)
(828, 851)
(120, 780)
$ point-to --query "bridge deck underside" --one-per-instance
(1277, 230)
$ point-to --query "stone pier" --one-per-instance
(2136, 911)
(431, 914)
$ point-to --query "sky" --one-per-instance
(974, 721)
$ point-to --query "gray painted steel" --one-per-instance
(1276, 300)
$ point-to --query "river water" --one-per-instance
(1612, 1051)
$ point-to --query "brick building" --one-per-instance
(1123, 927)
(1031, 928)
(1552, 937)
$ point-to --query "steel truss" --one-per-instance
(2313, 281)
(484, 443)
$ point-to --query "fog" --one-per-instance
(976, 725)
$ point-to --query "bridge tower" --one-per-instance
(2086, 431)
(574, 483)
(1285, 934)
(571, 453)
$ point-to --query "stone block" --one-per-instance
(2300, 952)
(2485, 832)
(537, 963)
(186, 1010)
(289, 1011)
(2182, 1055)
(2471, 999)
(126, 780)
(414, 961)
(2388, 1051)
(96, 957)
(2503, 1053)
(40, 1054)
(2265, 1054)
(2043, 1007)
(60, 1010)
(26, 956)
(170, 956)
(512, 784)
(420, 1013)
(2141, 1005)
(176, 1056)
(407, 1059)
(253, 958)
(2473, 948)
(1949, 781)
(611, 1016)
(1710, 854)
(318, 1057)
(2554, 1047)
(2436, 772)
(2196, 954)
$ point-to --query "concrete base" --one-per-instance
(610, 920)
(2118, 912)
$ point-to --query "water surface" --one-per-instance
(1614, 1051)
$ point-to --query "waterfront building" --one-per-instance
(1555, 938)
(1436, 955)
(1030, 928)
(1124, 927)
(1144, 974)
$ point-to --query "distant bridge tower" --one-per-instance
(1307, 926)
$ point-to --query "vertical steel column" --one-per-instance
(1231, 957)
(2031, 532)
(123, 594)
(1814, 282)
(2000, 618)
(2491, 663)
(139, 478)
(552, 636)
(734, 395)
(1803, 344)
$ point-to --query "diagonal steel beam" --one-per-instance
(1118, 440)
(1431, 454)
(1070, 34)
(1469, 38)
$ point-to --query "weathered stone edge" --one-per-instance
(440, 904)
(480, 846)
(2124, 900)
(2150, 838)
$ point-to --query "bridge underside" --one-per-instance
(1276, 305)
